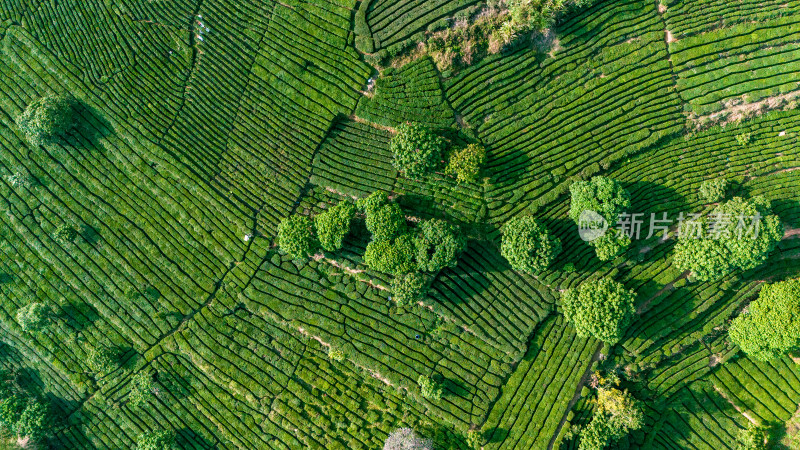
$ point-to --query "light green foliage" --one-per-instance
(527, 245)
(438, 246)
(335, 354)
(537, 14)
(64, 234)
(743, 139)
(47, 117)
(372, 202)
(417, 151)
(612, 243)
(394, 256)
(20, 180)
(474, 439)
(33, 317)
(713, 190)
(751, 438)
(465, 164)
(408, 288)
(406, 439)
(333, 225)
(102, 359)
(296, 236)
(617, 414)
(156, 440)
(771, 325)
(142, 389)
(602, 195)
(723, 248)
(429, 388)
(385, 222)
(601, 308)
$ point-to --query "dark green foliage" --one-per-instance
(333, 225)
(142, 389)
(713, 190)
(724, 248)
(372, 202)
(22, 414)
(438, 246)
(296, 236)
(770, 327)
(33, 317)
(156, 440)
(33, 421)
(538, 14)
(602, 195)
(406, 439)
(408, 288)
(102, 359)
(47, 117)
(386, 222)
(64, 234)
(601, 308)
(612, 243)
(416, 150)
(528, 245)
(394, 256)
(429, 388)
(465, 164)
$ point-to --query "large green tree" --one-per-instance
(296, 236)
(770, 327)
(600, 308)
(33, 317)
(385, 222)
(438, 245)
(603, 195)
(465, 164)
(527, 245)
(333, 225)
(47, 117)
(395, 256)
(156, 440)
(417, 151)
(738, 234)
(617, 414)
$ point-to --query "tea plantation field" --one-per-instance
(166, 279)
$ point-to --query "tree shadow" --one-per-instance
(91, 126)
(190, 439)
(89, 234)
(496, 435)
(79, 315)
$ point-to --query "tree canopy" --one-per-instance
(603, 195)
(33, 317)
(156, 440)
(713, 190)
(527, 245)
(385, 222)
(600, 308)
(465, 164)
(408, 288)
(617, 414)
(770, 327)
(417, 151)
(333, 225)
(296, 236)
(394, 256)
(142, 389)
(47, 117)
(429, 388)
(730, 239)
(438, 245)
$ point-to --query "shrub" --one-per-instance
(417, 151)
(527, 245)
(600, 308)
(47, 117)
(724, 247)
(33, 317)
(391, 256)
(438, 246)
(333, 225)
(406, 439)
(156, 440)
(408, 288)
(335, 354)
(743, 139)
(64, 234)
(713, 190)
(296, 236)
(465, 164)
(771, 325)
(142, 389)
(429, 389)
(102, 359)
(385, 222)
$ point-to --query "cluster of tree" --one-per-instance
(599, 308)
(21, 413)
(300, 236)
(533, 15)
(156, 440)
(47, 118)
(607, 198)
(738, 234)
(770, 326)
(406, 439)
(418, 152)
(617, 413)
